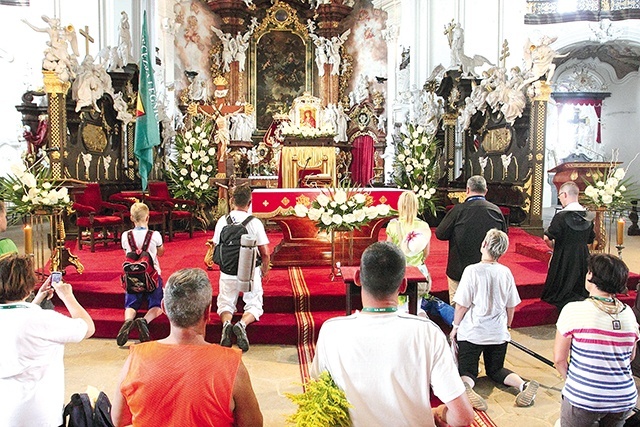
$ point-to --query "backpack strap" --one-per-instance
(147, 240)
(247, 220)
(229, 220)
(132, 241)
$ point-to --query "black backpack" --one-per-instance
(139, 275)
(227, 251)
(81, 414)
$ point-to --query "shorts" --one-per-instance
(154, 298)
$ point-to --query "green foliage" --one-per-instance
(321, 404)
(415, 166)
(195, 162)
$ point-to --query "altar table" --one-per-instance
(302, 244)
(413, 276)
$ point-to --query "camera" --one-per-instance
(56, 277)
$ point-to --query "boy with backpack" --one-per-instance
(141, 278)
(229, 286)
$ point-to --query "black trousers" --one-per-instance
(493, 354)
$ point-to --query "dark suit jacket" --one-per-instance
(465, 227)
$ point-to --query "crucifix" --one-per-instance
(87, 38)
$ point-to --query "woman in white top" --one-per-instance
(485, 303)
(31, 360)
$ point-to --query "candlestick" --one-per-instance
(619, 248)
(620, 232)
(28, 240)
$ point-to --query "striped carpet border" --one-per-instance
(304, 319)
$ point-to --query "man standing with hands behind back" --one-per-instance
(465, 227)
(229, 286)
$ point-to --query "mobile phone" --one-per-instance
(56, 277)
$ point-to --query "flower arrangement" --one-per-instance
(342, 208)
(609, 192)
(28, 190)
(308, 132)
(194, 163)
(415, 166)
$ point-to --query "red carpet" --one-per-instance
(297, 301)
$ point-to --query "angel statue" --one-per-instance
(242, 44)
(321, 52)
(538, 60)
(229, 48)
(333, 50)
(56, 56)
(124, 39)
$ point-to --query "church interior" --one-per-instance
(177, 102)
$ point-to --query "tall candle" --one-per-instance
(620, 229)
(28, 240)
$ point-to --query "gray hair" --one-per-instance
(477, 184)
(571, 188)
(186, 296)
(497, 243)
(382, 269)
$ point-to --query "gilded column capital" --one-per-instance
(540, 91)
(53, 84)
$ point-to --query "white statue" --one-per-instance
(114, 63)
(467, 113)
(455, 35)
(86, 159)
(229, 48)
(330, 117)
(90, 85)
(342, 125)
(198, 89)
(242, 126)
(360, 91)
(124, 39)
(56, 56)
(538, 60)
(242, 44)
(321, 52)
(122, 108)
(311, 26)
(106, 163)
(333, 50)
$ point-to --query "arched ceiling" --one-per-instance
(623, 56)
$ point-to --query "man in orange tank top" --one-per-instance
(183, 380)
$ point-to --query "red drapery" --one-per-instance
(362, 160)
(594, 102)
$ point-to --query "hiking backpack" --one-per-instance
(227, 251)
(139, 275)
(81, 414)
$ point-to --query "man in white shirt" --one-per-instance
(386, 361)
(229, 286)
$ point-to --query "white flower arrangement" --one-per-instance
(288, 129)
(29, 191)
(415, 166)
(609, 192)
(195, 162)
(343, 209)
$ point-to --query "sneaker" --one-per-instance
(528, 394)
(123, 333)
(476, 400)
(143, 329)
(241, 335)
(227, 329)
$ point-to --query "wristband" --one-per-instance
(454, 326)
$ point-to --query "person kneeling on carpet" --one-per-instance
(182, 380)
(485, 303)
(229, 284)
(133, 301)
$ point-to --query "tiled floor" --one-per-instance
(274, 369)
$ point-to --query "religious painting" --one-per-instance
(308, 117)
(280, 74)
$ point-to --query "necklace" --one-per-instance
(601, 304)
(379, 309)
